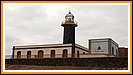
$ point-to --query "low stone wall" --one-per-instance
(110, 62)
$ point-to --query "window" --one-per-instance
(65, 53)
(19, 54)
(40, 54)
(52, 53)
(29, 54)
(99, 48)
(83, 52)
(116, 52)
(113, 50)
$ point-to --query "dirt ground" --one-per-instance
(34, 67)
(29, 67)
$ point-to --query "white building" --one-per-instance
(49, 51)
(103, 46)
(97, 47)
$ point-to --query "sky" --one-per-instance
(35, 24)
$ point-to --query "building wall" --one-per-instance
(115, 46)
(103, 63)
(107, 46)
(47, 52)
(81, 52)
(123, 52)
(94, 55)
(94, 44)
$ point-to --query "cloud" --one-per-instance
(41, 24)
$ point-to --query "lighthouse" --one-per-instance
(69, 31)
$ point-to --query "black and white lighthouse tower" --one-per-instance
(69, 31)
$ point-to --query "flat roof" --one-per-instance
(105, 39)
(49, 46)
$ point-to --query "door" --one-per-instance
(29, 54)
(65, 53)
(52, 53)
(40, 54)
(77, 54)
(19, 54)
